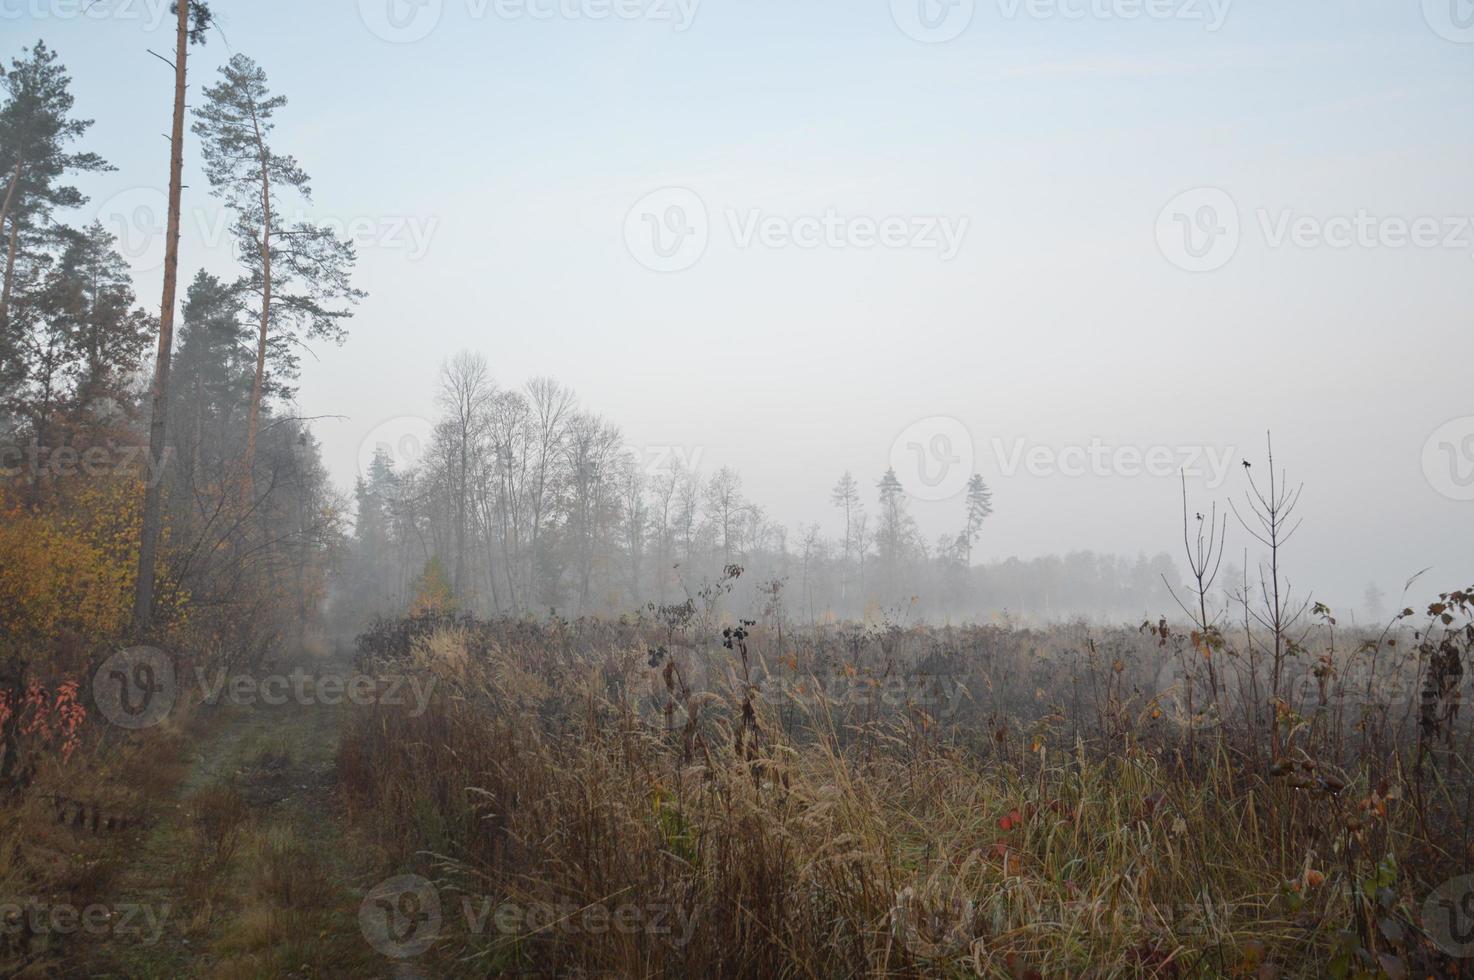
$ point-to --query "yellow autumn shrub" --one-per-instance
(69, 567)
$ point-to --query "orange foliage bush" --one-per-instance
(48, 719)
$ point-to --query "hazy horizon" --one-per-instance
(872, 238)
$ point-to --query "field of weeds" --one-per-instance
(683, 794)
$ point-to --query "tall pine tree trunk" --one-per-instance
(10, 250)
(143, 592)
(5, 213)
(10, 192)
(253, 419)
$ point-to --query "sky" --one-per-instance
(1077, 246)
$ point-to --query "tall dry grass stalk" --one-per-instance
(823, 834)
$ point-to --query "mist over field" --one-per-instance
(688, 488)
(512, 213)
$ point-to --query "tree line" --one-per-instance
(526, 502)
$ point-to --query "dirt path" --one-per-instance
(248, 868)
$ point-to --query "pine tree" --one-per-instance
(36, 127)
(90, 293)
(296, 272)
(75, 337)
(979, 508)
(897, 530)
(1374, 601)
(846, 496)
(212, 381)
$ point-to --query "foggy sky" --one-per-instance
(497, 174)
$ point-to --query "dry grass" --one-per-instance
(67, 835)
(848, 838)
